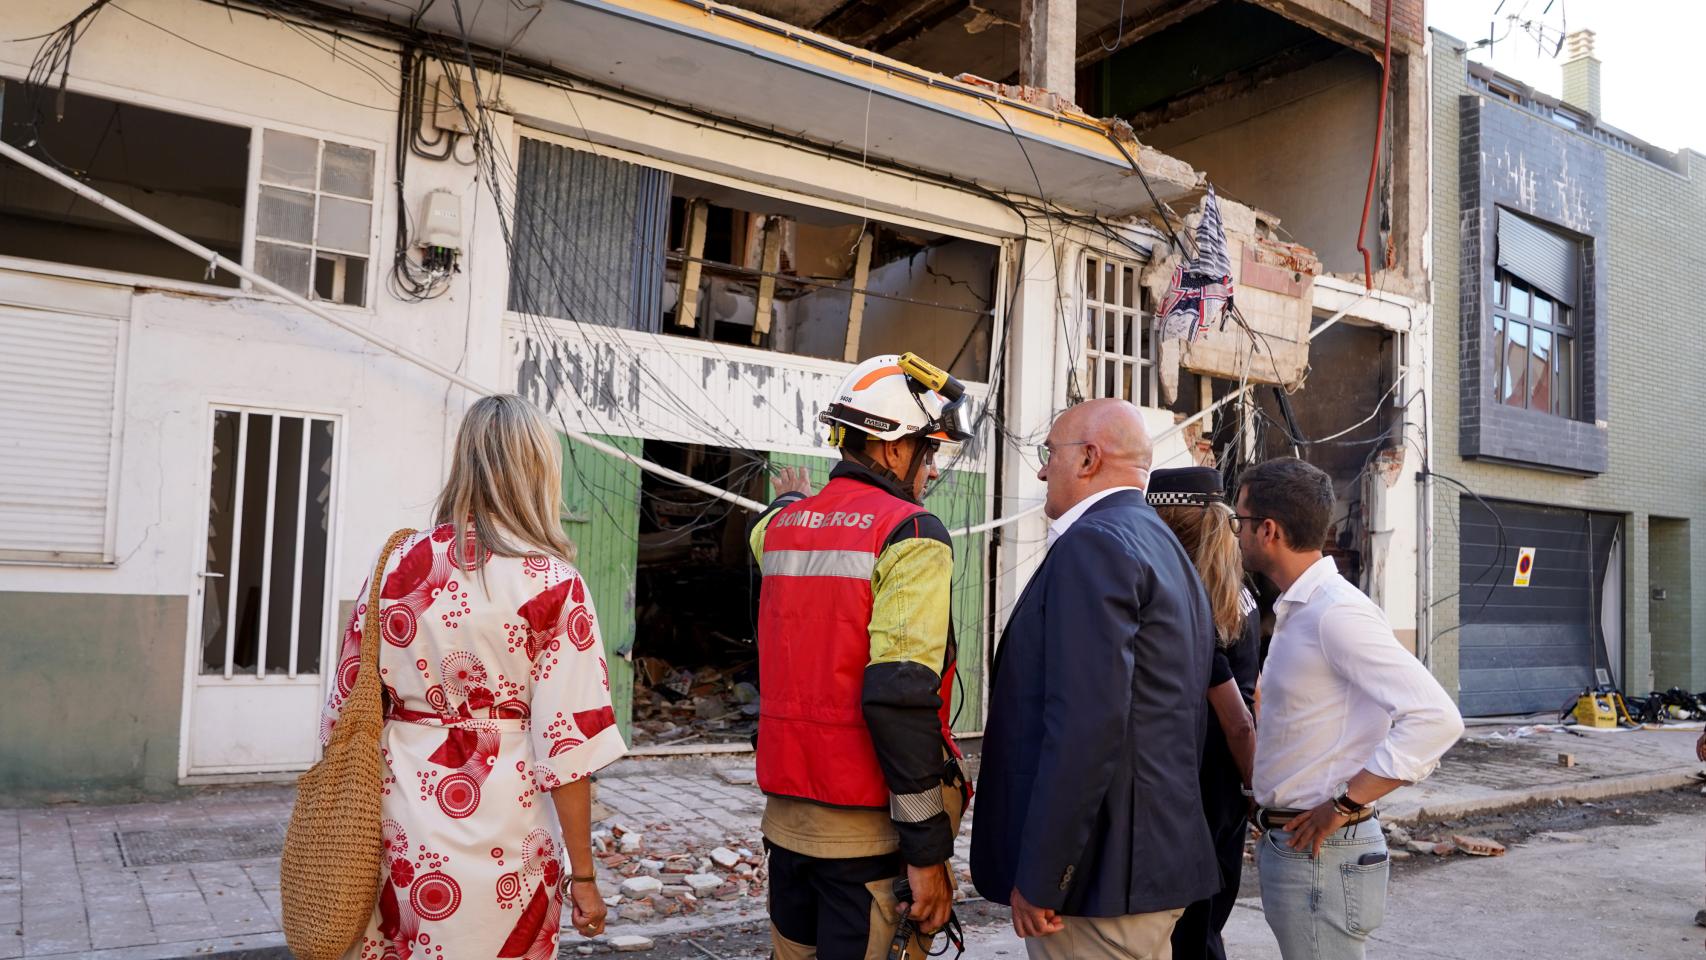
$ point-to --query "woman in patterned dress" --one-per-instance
(497, 699)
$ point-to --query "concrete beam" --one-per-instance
(1048, 46)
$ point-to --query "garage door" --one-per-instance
(1529, 649)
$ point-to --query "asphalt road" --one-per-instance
(1618, 880)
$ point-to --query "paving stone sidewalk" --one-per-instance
(198, 875)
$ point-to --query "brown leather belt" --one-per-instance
(1277, 817)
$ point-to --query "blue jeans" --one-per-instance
(1324, 909)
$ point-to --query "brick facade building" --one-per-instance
(1566, 284)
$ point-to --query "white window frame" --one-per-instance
(252, 210)
(255, 125)
(1115, 370)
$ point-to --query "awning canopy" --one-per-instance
(738, 65)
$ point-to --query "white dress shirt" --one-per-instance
(1059, 524)
(1340, 695)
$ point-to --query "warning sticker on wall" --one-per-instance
(1524, 567)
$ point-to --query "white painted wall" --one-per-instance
(192, 346)
(190, 349)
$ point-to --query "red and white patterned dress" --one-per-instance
(493, 694)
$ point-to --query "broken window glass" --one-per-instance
(311, 237)
(190, 174)
(754, 270)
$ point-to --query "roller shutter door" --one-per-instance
(1529, 649)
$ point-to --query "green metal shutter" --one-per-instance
(959, 501)
(602, 496)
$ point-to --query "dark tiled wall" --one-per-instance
(1511, 159)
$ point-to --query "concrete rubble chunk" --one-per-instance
(1444, 848)
(637, 912)
(584, 950)
(1399, 856)
(1478, 846)
(651, 868)
(633, 842)
(1397, 836)
(1420, 846)
(613, 901)
(1562, 836)
(725, 858)
(704, 884)
(637, 887)
(739, 776)
(630, 943)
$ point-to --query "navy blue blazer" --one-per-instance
(1088, 799)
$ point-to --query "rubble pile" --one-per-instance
(1404, 845)
(654, 878)
(709, 705)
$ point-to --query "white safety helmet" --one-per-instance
(892, 396)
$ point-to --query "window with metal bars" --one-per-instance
(1120, 342)
(268, 596)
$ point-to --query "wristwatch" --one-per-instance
(1343, 803)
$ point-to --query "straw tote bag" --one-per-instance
(330, 872)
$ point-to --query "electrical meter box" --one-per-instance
(441, 221)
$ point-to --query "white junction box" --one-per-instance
(441, 221)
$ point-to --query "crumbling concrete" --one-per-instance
(1048, 45)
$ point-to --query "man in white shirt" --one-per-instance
(1347, 716)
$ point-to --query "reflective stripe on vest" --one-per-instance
(814, 642)
(852, 564)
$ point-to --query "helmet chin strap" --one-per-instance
(905, 483)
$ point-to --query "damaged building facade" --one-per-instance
(1566, 512)
(674, 225)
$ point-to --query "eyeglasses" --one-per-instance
(1237, 520)
(1046, 449)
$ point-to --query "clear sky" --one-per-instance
(1651, 55)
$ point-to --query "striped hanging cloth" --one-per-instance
(1201, 289)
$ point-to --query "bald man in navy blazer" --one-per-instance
(1089, 821)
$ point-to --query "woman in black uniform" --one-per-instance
(1192, 501)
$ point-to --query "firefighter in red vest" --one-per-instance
(856, 673)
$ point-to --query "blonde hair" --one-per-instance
(506, 482)
(1206, 533)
